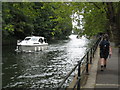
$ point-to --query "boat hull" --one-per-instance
(27, 48)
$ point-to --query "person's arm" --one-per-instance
(110, 50)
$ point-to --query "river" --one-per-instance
(41, 69)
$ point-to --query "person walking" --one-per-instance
(105, 51)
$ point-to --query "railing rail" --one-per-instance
(87, 59)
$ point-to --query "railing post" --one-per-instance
(93, 51)
(79, 70)
(87, 62)
(96, 45)
(91, 56)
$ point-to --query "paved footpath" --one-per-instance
(109, 78)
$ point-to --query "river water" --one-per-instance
(41, 69)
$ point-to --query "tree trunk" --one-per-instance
(113, 19)
(118, 27)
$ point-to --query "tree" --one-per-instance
(17, 19)
(101, 17)
(21, 19)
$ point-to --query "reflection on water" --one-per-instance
(41, 69)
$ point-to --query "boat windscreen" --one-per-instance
(27, 38)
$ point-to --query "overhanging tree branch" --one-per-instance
(95, 5)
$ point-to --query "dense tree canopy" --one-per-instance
(53, 19)
(21, 19)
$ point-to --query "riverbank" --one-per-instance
(9, 41)
(13, 40)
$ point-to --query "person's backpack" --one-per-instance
(104, 46)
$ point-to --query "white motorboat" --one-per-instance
(32, 44)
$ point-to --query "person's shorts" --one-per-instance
(104, 55)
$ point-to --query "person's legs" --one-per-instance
(102, 61)
(105, 63)
(105, 59)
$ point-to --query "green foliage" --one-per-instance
(16, 20)
(94, 20)
(53, 19)
(99, 17)
(40, 18)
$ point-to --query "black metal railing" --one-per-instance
(83, 66)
